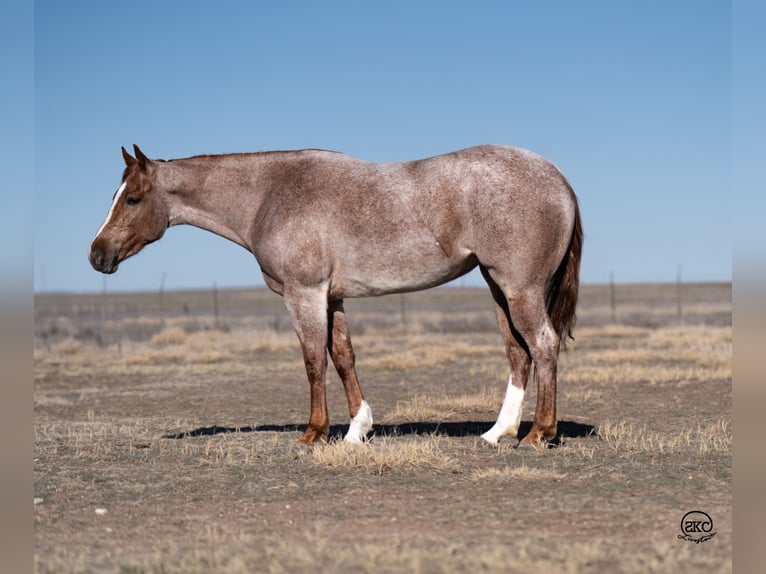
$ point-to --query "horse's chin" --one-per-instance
(105, 268)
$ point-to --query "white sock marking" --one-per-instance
(117, 197)
(509, 419)
(360, 425)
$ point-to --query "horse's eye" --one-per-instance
(133, 200)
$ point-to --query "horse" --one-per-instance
(324, 226)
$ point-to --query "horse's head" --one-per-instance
(138, 216)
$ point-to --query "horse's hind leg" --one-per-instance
(509, 419)
(342, 353)
(529, 319)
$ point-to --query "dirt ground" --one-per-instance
(165, 426)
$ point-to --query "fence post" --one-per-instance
(679, 295)
(215, 303)
(612, 297)
(162, 299)
(103, 300)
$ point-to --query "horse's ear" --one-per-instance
(129, 160)
(140, 157)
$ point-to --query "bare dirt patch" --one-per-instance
(164, 438)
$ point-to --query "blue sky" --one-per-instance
(632, 100)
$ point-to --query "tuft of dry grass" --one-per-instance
(426, 351)
(168, 337)
(208, 357)
(68, 347)
(274, 342)
(143, 356)
(425, 408)
(611, 330)
(70, 354)
(622, 436)
(673, 354)
(382, 456)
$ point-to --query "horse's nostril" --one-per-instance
(96, 257)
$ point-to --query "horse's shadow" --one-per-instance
(569, 429)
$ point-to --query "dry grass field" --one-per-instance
(165, 423)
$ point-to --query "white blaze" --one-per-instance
(509, 419)
(117, 197)
(360, 425)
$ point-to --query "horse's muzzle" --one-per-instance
(102, 257)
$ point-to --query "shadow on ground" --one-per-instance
(569, 429)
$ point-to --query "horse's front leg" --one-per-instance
(342, 353)
(308, 309)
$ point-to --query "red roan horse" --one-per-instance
(324, 227)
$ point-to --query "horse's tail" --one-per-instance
(563, 286)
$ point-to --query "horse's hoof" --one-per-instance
(489, 443)
(490, 438)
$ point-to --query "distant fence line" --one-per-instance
(679, 296)
(108, 307)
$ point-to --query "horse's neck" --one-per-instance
(206, 195)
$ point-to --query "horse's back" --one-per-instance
(499, 206)
(387, 227)
(501, 170)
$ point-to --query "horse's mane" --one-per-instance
(250, 154)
